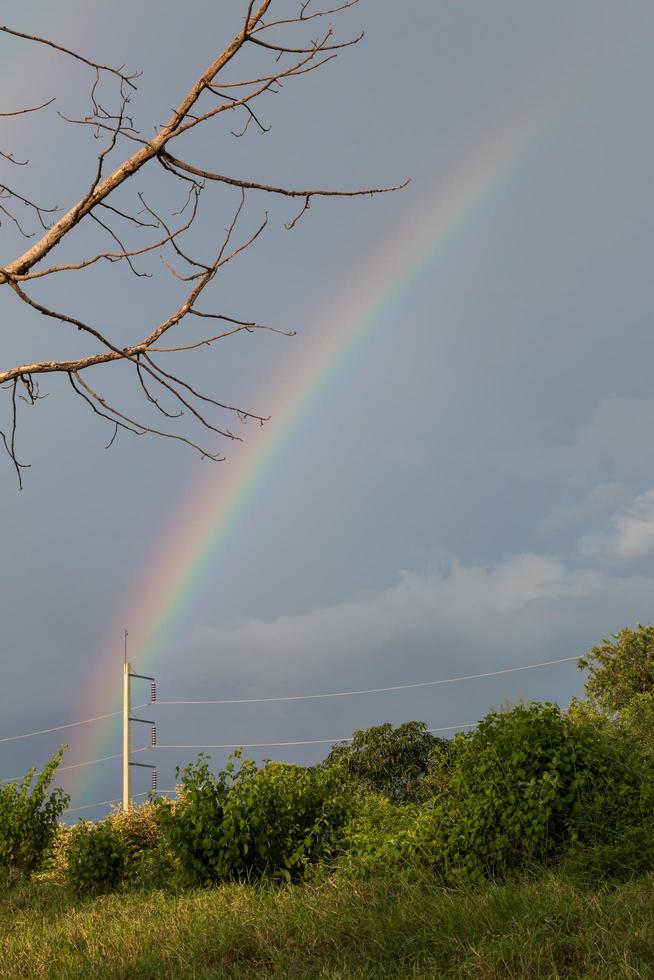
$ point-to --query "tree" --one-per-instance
(620, 668)
(387, 760)
(277, 48)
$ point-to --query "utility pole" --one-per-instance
(127, 719)
(127, 710)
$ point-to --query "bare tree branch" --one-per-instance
(146, 229)
(24, 112)
(128, 79)
(271, 188)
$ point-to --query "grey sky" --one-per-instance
(474, 490)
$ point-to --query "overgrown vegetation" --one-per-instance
(534, 808)
(247, 823)
(28, 820)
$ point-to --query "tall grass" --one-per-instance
(546, 927)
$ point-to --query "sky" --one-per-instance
(468, 487)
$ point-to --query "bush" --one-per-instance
(247, 823)
(55, 864)
(28, 820)
(148, 862)
(95, 857)
(528, 783)
(382, 841)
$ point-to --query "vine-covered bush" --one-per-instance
(95, 857)
(248, 823)
(528, 783)
(28, 820)
(382, 840)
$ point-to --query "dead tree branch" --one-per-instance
(146, 230)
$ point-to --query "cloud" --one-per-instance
(630, 534)
(454, 617)
(591, 508)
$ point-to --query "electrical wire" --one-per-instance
(89, 806)
(375, 690)
(76, 765)
(298, 697)
(309, 741)
(70, 724)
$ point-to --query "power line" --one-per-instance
(309, 741)
(76, 765)
(89, 806)
(300, 697)
(70, 724)
(377, 690)
(235, 745)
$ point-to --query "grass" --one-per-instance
(546, 928)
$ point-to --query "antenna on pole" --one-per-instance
(125, 656)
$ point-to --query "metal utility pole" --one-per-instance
(127, 719)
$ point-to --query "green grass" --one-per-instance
(339, 929)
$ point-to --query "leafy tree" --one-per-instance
(387, 760)
(620, 668)
(637, 718)
(28, 820)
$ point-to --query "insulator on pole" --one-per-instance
(154, 735)
(153, 691)
(154, 779)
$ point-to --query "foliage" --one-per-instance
(96, 857)
(530, 782)
(138, 827)
(55, 864)
(637, 718)
(381, 840)
(28, 820)
(621, 667)
(581, 711)
(248, 823)
(148, 862)
(387, 760)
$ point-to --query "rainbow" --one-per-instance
(218, 508)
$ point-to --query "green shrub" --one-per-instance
(246, 823)
(528, 783)
(95, 857)
(148, 861)
(28, 820)
(138, 828)
(381, 840)
(55, 863)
